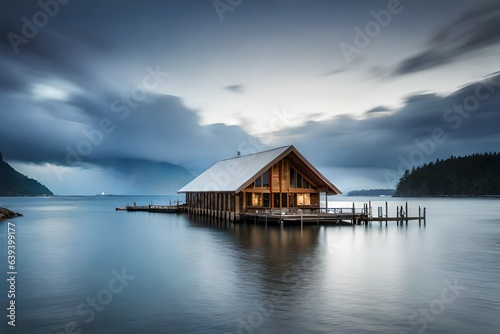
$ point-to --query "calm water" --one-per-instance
(84, 268)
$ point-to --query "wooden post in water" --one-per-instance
(402, 215)
(406, 212)
(386, 212)
(424, 216)
(397, 215)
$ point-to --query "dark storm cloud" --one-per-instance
(9, 80)
(475, 30)
(235, 88)
(159, 129)
(468, 120)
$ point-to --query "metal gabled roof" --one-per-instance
(235, 174)
(230, 174)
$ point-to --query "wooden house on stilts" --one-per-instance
(278, 180)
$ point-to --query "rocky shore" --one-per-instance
(7, 214)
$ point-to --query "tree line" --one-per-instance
(471, 175)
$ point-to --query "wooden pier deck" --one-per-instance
(153, 208)
(335, 216)
(325, 216)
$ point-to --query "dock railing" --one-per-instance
(343, 210)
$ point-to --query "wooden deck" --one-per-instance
(153, 208)
(334, 216)
(326, 216)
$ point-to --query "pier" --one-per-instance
(325, 216)
(336, 216)
(176, 208)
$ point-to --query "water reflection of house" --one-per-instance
(280, 178)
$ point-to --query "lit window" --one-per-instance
(303, 199)
(258, 199)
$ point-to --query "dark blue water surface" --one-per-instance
(83, 267)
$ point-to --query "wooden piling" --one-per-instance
(353, 214)
(406, 212)
(386, 212)
(424, 216)
(397, 215)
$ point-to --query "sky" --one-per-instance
(139, 97)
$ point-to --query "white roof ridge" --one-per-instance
(260, 152)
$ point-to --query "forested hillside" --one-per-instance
(13, 183)
(474, 175)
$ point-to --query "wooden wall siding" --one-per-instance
(275, 178)
(219, 205)
(286, 175)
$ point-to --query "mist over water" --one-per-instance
(84, 267)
